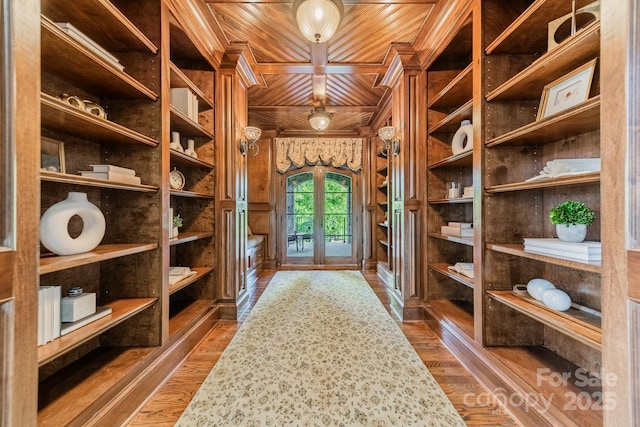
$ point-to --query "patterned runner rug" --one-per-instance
(319, 349)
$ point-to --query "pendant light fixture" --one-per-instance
(318, 20)
(319, 119)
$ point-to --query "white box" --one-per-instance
(75, 308)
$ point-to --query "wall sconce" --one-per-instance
(318, 20)
(248, 143)
(319, 119)
(390, 145)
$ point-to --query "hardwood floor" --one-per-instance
(475, 404)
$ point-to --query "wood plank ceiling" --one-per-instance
(350, 65)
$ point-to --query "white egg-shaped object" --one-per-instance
(536, 287)
(556, 299)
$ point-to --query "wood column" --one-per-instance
(235, 77)
(408, 175)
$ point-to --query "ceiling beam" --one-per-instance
(306, 68)
(345, 2)
(305, 108)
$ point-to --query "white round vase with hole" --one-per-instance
(54, 226)
(463, 138)
(574, 233)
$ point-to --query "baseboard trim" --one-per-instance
(157, 369)
(490, 372)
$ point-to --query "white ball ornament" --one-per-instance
(536, 287)
(556, 299)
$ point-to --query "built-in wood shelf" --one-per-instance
(456, 93)
(451, 201)
(582, 118)
(529, 368)
(518, 250)
(382, 170)
(584, 178)
(528, 33)
(577, 324)
(457, 160)
(52, 263)
(180, 80)
(463, 240)
(64, 56)
(383, 187)
(191, 194)
(183, 124)
(122, 309)
(452, 122)
(200, 272)
(183, 313)
(572, 53)
(384, 243)
(190, 237)
(71, 384)
(384, 204)
(383, 224)
(62, 117)
(185, 159)
(443, 269)
(456, 313)
(101, 21)
(93, 182)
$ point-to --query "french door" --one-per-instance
(319, 224)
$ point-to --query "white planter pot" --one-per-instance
(574, 233)
(54, 233)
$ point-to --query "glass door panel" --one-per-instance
(338, 215)
(300, 215)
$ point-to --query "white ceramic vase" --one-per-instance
(573, 233)
(175, 142)
(463, 138)
(174, 232)
(54, 233)
(190, 151)
(556, 299)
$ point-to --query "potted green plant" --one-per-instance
(571, 219)
(177, 222)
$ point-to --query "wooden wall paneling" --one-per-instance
(619, 106)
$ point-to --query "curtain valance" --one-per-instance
(337, 152)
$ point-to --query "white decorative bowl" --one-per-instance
(536, 287)
(556, 299)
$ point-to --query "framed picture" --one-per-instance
(52, 155)
(567, 91)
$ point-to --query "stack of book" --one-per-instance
(587, 252)
(49, 298)
(186, 101)
(467, 192)
(458, 229)
(80, 37)
(113, 173)
(178, 273)
(464, 268)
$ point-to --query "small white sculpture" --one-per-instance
(175, 142)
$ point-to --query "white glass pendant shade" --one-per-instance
(252, 133)
(318, 20)
(319, 119)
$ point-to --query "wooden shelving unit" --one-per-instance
(450, 80)
(131, 247)
(519, 66)
(383, 232)
(192, 297)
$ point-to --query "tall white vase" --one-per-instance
(54, 233)
(191, 151)
(175, 142)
